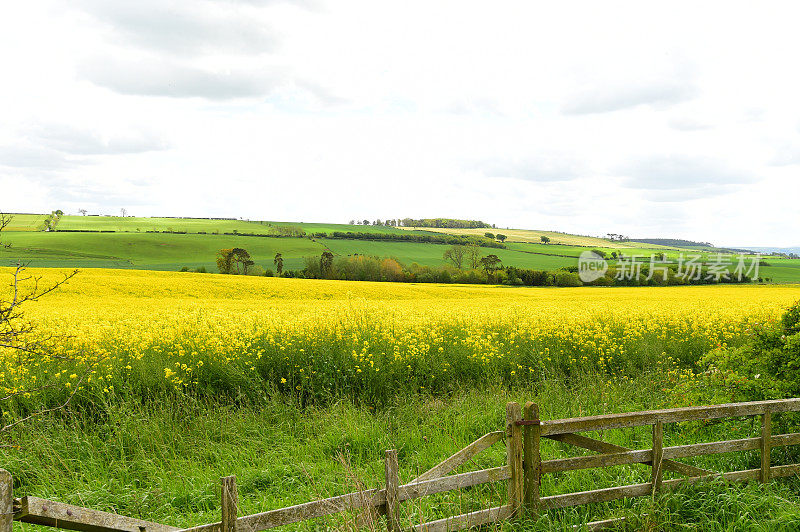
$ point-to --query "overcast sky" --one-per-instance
(666, 119)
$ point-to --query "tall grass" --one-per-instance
(163, 461)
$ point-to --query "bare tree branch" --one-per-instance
(21, 336)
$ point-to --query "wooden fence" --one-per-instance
(523, 470)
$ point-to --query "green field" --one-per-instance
(26, 222)
(133, 224)
(431, 254)
(174, 251)
(157, 243)
(147, 250)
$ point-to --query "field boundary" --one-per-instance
(522, 470)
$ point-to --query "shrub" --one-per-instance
(567, 279)
(766, 366)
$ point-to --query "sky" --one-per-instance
(649, 119)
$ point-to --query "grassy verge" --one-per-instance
(162, 461)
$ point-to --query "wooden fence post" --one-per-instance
(658, 455)
(391, 469)
(230, 504)
(6, 502)
(514, 457)
(766, 445)
(533, 459)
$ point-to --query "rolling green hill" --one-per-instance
(174, 243)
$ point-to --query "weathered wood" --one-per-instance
(784, 471)
(391, 468)
(600, 525)
(638, 490)
(766, 445)
(781, 440)
(731, 476)
(468, 520)
(600, 495)
(310, 510)
(354, 501)
(452, 482)
(6, 502)
(671, 415)
(658, 456)
(56, 514)
(532, 460)
(700, 449)
(598, 460)
(229, 504)
(677, 451)
(514, 457)
(461, 457)
(603, 447)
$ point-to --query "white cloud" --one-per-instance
(522, 114)
(610, 99)
(183, 26)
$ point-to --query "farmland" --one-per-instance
(335, 372)
(297, 386)
(174, 243)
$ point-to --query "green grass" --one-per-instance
(148, 250)
(173, 251)
(163, 461)
(130, 246)
(431, 254)
(781, 270)
(193, 225)
(26, 222)
(133, 224)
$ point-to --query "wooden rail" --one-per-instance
(523, 470)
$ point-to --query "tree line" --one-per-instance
(429, 238)
(465, 265)
(441, 223)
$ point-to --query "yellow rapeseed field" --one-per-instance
(151, 333)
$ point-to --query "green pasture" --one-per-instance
(431, 254)
(26, 222)
(126, 243)
(148, 250)
(134, 224)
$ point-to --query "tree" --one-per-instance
(326, 263)
(544, 239)
(83, 211)
(501, 238)
(491, 263)
(278, 262)
(234, 261)
(455, 254)
(489, 235)
(474, 255)
(353, 222)
(124, 212)
(365, 222)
